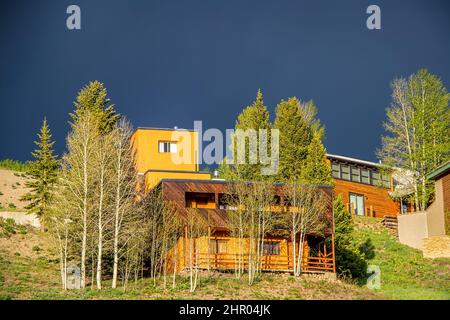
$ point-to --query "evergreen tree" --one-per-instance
(93, 98)
(254, 117)
(44, 173)
(350, 258)
(317, 170)
(295, 136)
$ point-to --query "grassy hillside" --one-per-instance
(29, 270)
(405, 274)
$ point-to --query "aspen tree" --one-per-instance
(123, 186)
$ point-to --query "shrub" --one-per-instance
(12, 206)
(36, 248)
(351, 258)
(8, 227)
(14, 165)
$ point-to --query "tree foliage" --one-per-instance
(350, 259)
(253, 117)
(418, 130)
(316, 170)
(44, 173)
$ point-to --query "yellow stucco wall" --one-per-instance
(155, 165)
(147, 155)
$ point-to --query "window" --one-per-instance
(167, 146)
(200, 200)
(357, 204)
(356, 176)
(217, 246)
(345, 172)
(271, 248)
(365, 178)
(375, 178)
(386, 180)
(335, 170)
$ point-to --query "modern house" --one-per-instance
(167, 161)
(218, 248)
(159, 155)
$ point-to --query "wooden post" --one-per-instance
(371, 211)
(332, 248)
(208, 253)
(185, 245)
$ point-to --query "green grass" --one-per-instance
(14, 165)
(33, 274)
(405, 274)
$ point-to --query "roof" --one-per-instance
(440, 171)
(165, 129)
(222, 181)
(354, 160)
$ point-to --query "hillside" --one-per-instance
(29, 270)
(405, 273)
(12, 187)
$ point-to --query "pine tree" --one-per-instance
(317, 169)
(44, 173)
(93, 98)
(295, 135)
(350, 258)
(254, 117)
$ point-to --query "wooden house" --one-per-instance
(365, 187)
(218, 249)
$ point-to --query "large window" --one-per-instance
(386, 180)
(365, 176)
(356, 175)
(167, 146)
(345, 172)
(375, 178)
(360, 174)
(357, 204)
(271, 248)
(336, 170)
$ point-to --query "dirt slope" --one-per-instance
(12, 187)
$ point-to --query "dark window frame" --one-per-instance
(271, 248)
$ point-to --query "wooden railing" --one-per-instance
(268, 263)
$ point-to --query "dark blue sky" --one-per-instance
(168, 63)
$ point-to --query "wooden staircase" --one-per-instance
(390, 222)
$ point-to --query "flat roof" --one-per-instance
(216, 181)
(348, 159)
(165, 129)
(439, 171)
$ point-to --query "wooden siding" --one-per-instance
(175, 192)
(446, 191)
(202, 258)
(446, 196)
(375, 197)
